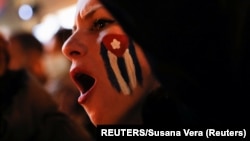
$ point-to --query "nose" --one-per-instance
(73, 48)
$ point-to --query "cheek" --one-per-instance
(115, 29)
(121, 62)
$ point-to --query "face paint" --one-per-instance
(121, 62)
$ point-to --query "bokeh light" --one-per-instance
(25, 12)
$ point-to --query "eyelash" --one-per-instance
(100, 24)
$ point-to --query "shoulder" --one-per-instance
(164, 110)
(61, 127)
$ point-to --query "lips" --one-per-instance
(84, 82)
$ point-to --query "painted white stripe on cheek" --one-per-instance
(113, 62)
(130, 68)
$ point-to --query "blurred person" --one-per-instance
(27, 111)
(3, 54)
(56, 64)
(26, 52)
(59, 84)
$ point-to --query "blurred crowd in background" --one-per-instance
(43, 18)
(34, 45)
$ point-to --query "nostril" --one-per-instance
(73, 53)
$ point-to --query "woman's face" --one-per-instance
(110, 71)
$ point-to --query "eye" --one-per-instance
(100, 24)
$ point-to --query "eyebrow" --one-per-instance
(90, 11)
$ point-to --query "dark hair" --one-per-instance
(28, 41)
(199, 50)
(62, 35)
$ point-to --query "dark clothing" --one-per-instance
(28, 113)
(199, 50)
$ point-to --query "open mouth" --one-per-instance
(84, 82)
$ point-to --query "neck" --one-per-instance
(134, 117)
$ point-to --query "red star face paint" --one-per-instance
(121, 62)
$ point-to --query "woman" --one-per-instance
(189, 60)
(26, 52)
(112, 72)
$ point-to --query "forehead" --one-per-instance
(86, 6)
